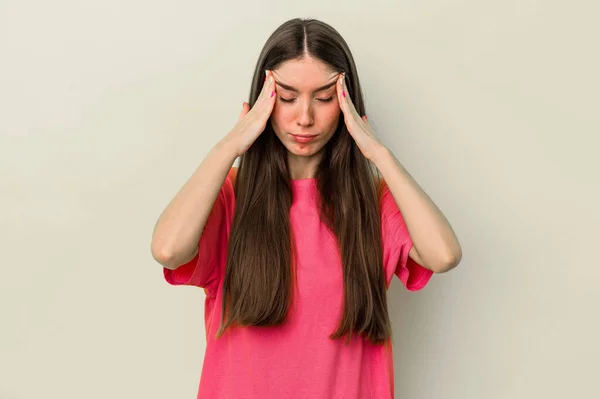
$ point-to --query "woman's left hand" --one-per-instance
(358, 126)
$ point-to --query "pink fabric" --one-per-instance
(296, 360)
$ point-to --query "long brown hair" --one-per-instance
(260, 269)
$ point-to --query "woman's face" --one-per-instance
(306, 104)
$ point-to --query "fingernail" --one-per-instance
(344, 93)
(272, 93)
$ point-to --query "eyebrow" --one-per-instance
(327, 86)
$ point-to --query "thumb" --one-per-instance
(245, 110)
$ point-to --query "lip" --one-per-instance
(303, 138)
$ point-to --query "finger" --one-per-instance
(340, 92)
(344, 96)
(346, 102)
(245, 109)
(269, 83)
(268, 94)
(267, 89)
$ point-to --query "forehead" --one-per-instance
(306, 74)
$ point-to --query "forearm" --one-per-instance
(179, 228)
(432, 236)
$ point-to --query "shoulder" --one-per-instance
(381, 187)
(388, 207)
(227, 192)
(232, 175)
(228, 189)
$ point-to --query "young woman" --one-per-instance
(296, 248)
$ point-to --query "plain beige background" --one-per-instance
(107, 107)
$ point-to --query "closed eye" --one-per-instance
(324, 100)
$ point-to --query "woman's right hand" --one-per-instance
(252, 122)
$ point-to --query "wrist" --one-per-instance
(227, 147)
(380, 153)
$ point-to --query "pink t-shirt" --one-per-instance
(298, 359)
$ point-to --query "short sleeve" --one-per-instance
(206, 268)
(397, 244)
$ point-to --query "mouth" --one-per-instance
(303, 138)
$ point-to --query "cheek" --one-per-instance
(324, 115)
(278, 113)
(328, 118)
(331, 113)
(279, 119)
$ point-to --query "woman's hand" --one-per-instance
(252, 122)
(359, 128)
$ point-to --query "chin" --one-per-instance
(304, 150)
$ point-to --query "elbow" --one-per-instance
(163, 256)
(169, 258)
(449, 262)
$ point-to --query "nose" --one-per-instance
(306, 117)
